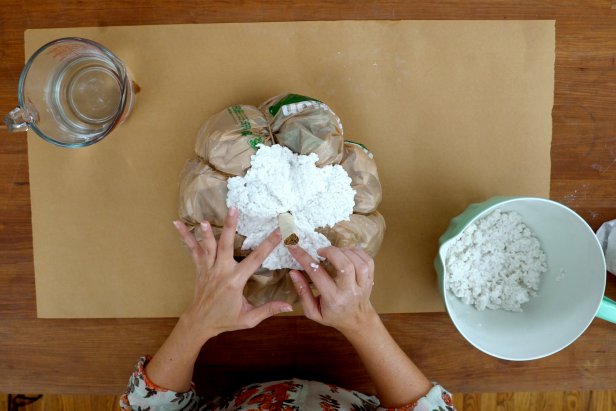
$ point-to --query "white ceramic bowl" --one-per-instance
(569, 295)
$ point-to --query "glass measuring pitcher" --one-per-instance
(72, 92)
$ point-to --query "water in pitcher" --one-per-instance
(85, 94)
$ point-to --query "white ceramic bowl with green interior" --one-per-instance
(570, 294)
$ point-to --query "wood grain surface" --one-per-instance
(96, 356)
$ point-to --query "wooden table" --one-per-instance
(96, 356)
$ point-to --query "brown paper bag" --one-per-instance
(264, 286)
(203, 194)
(305, 126)
(228, 139)
(362, 231)
(358, 162)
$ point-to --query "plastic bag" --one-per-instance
(305, 126)
(203, 194)
(228, 139)
(358, 162)
(362, 231)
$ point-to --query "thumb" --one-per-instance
(260, 313)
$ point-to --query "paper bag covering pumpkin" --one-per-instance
(305, 126)
(224, 148)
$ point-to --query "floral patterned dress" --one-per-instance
(286, 395)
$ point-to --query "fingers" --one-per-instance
(253, 317)
(362, 270)
(189, 239)
(317, 274)
(225, 242)
(251, 263)
(368, 260)
(364, 256)
(306, 298)
(209, 243)
(344, 266)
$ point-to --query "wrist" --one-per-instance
(195, 328)
(361, 324)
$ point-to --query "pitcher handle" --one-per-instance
(607, 310)
(17, 120)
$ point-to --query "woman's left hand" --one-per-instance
(219, 304)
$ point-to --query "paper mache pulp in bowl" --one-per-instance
(569, 295)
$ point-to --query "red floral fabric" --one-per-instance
(288, 395)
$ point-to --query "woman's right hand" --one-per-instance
(344, 300)
(344, 304)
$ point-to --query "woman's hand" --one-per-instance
(344, 301)
(218, 304)
(344, 304)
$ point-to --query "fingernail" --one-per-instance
(287, 309)
(292, 247)
(232, 211)
(205, 225)
(295, 279)
(176, 223)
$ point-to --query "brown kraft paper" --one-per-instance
(454, 112)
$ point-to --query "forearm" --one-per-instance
(397, 380)
(172, 366)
